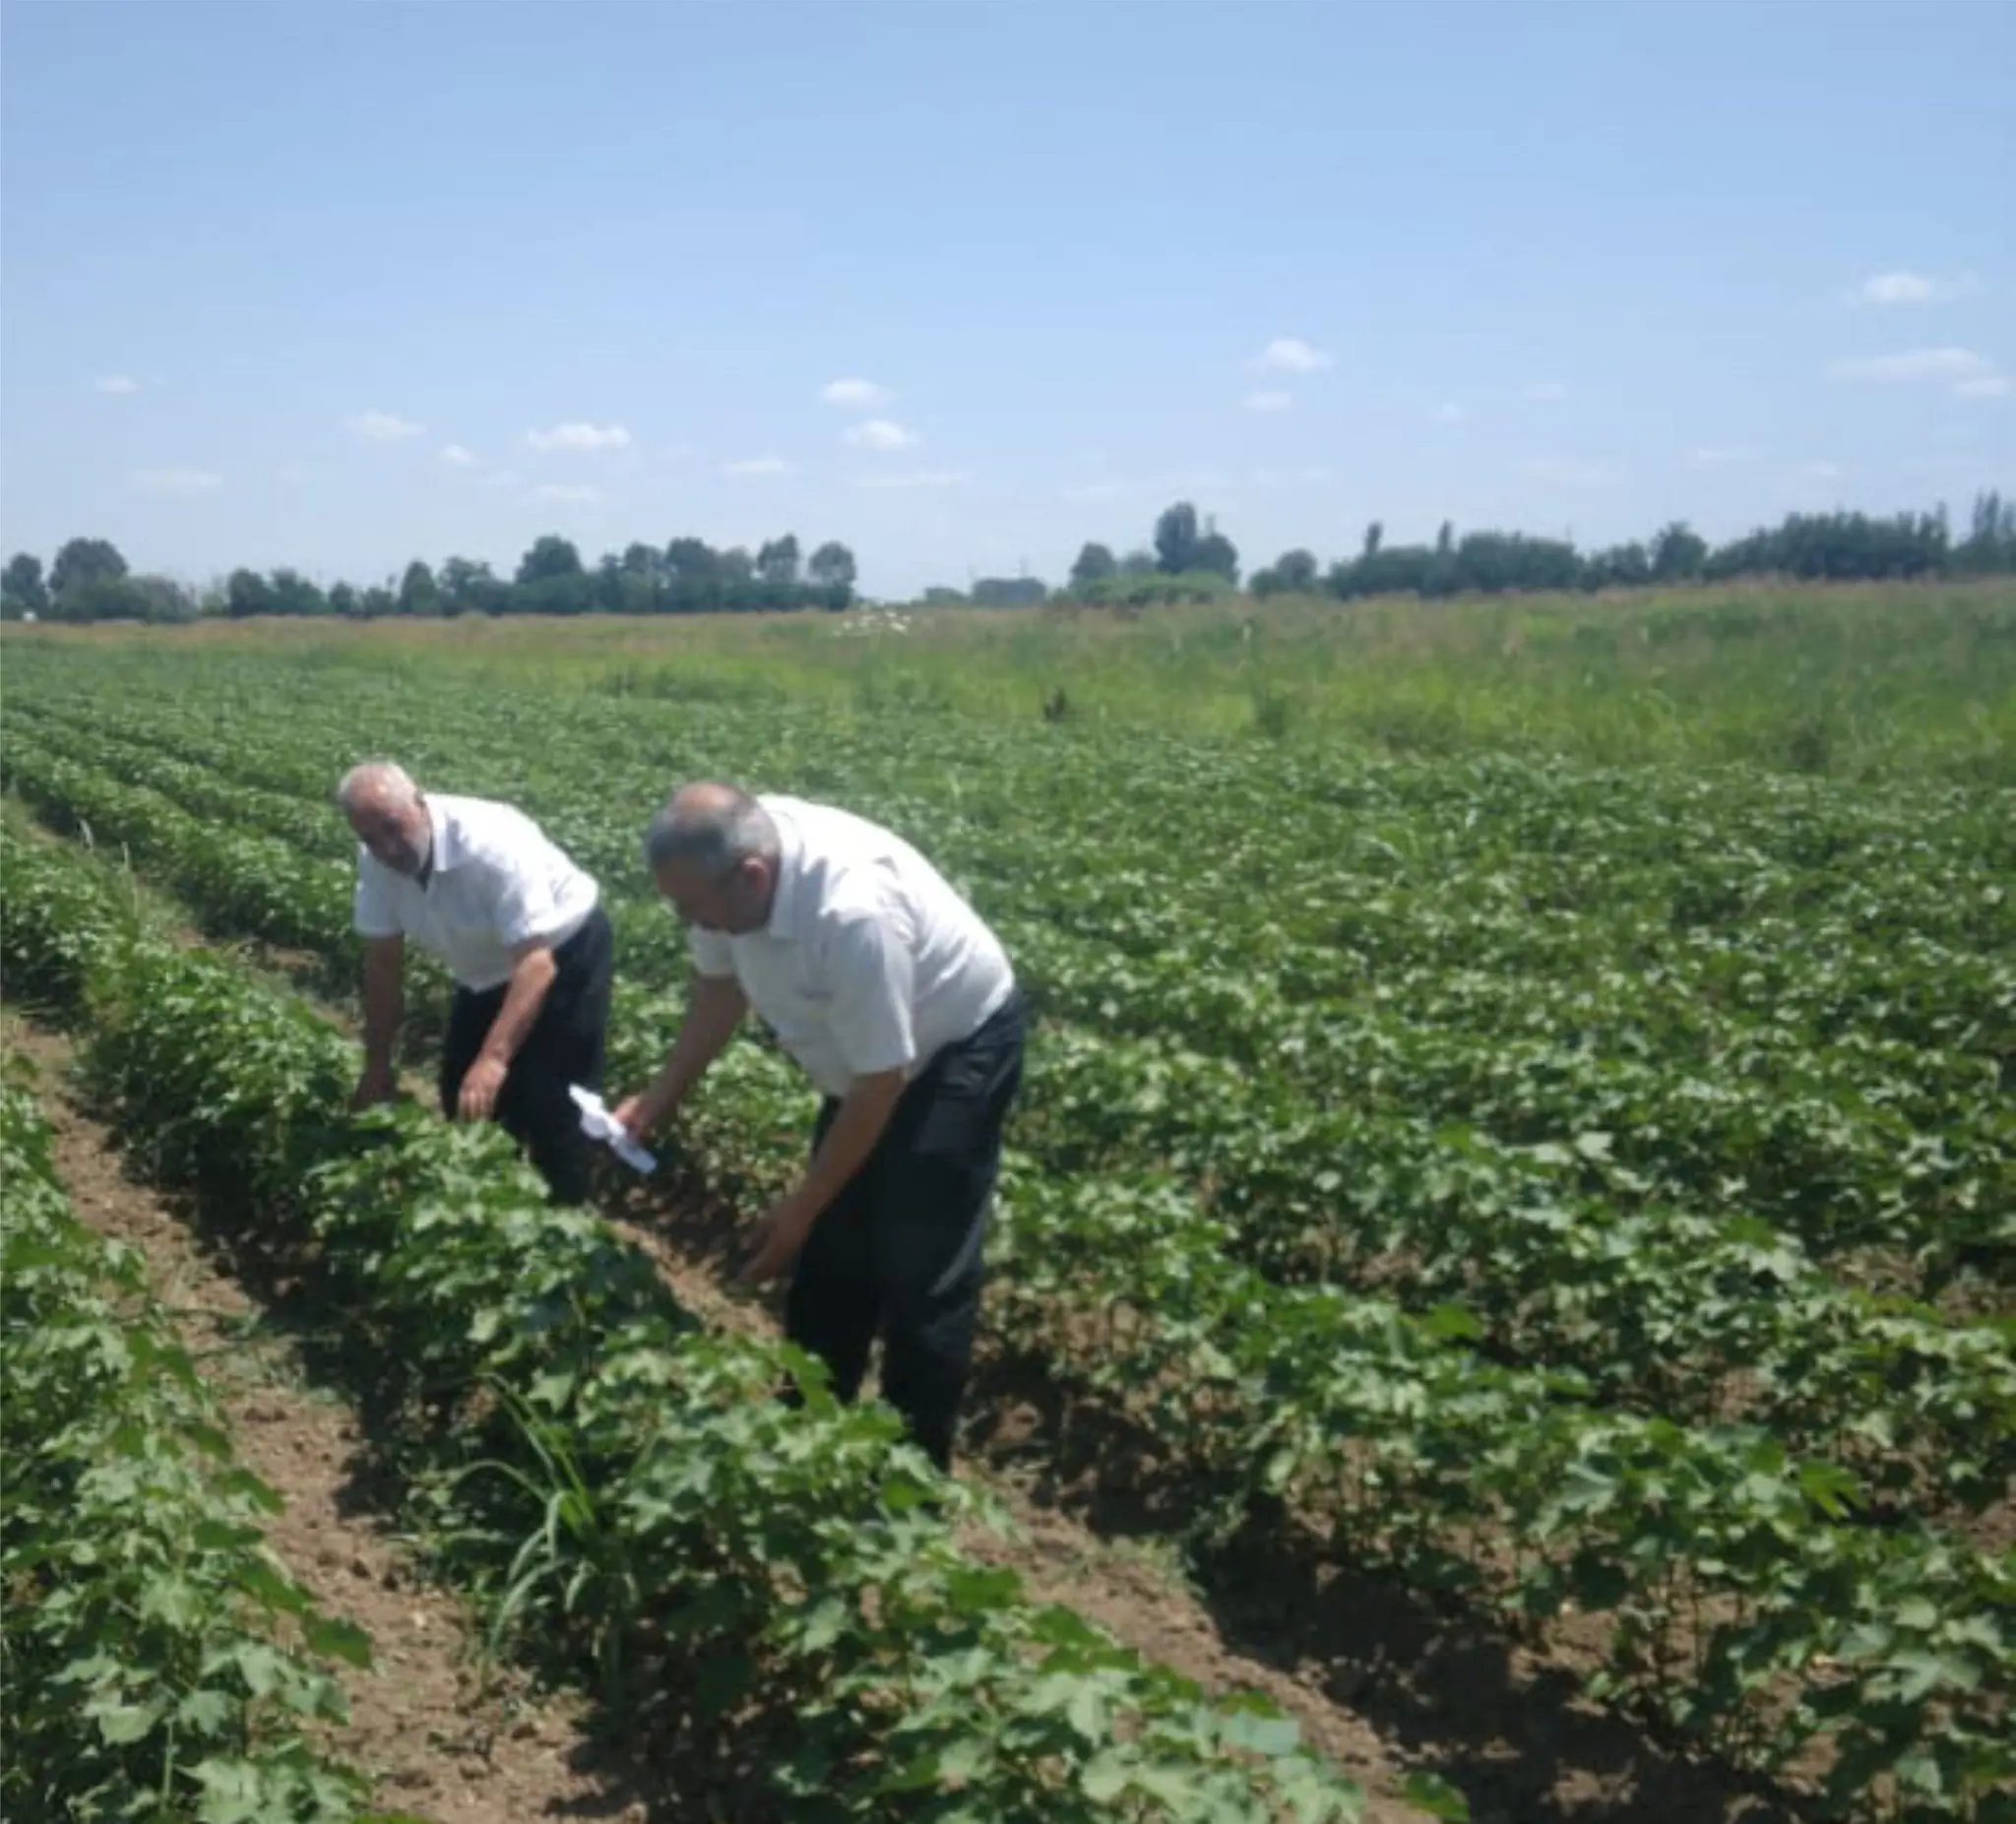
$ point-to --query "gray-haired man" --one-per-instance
(523, 934)
(900, 1005)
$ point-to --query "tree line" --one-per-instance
(1188, 559)
(1191, 560)
(89, 580)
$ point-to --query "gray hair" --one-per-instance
(712, 828)
(383, 780)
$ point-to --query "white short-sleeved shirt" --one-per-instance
(869, 961)
(497, 881)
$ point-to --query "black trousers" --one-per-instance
(899, 1249)
(565, 1045)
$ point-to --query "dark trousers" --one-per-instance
(899, 1249)
(564, 1046)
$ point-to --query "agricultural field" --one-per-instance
(1542, 1166)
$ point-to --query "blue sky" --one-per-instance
(966, 283)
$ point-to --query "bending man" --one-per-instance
(900, 1005)
(522, 931)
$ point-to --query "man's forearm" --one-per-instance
(857, 1124)
(532, 977)
(384, 1012)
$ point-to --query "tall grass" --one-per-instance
(1857, 681)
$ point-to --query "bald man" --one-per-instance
(523, 933)
(900, 1006)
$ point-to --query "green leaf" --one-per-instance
(121, 1724)
(338, 1640)
(1431, 1794)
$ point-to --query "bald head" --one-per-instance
(710, 826)
(712, 850)
(389, 814)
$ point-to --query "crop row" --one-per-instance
(1857, 1142)
(159, 1663)
(1737, 1607)
(1658, 1308)
(631, 1485)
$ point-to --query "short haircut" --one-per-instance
(713, 828)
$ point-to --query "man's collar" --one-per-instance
(783, 897)
(447, 850)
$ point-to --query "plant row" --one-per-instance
(158, 1663)
(1737, 1605)
(780, 1578)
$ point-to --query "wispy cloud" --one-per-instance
(854, 392)
(1289, 354)
(915, 478)
(116, 384)
(383, 428)
(1269, 401)
(1450, 413)
(1911, 366)
(579, 436)
(168, 482)
(1983, 386)
(1564, 471)
(1907, 288)
(1726, 456)
(881, 434)
(757, 466)
(1097, 490)
(568, 494)
(1546, 392)
(457, 455)
(1821, 471)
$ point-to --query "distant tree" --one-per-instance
(832, 566)
(247, 594)
(1095, 563)
(377, 602)
(1175, 539)
(160, 600)
(776, 563)
(1678, 553)
(550, 557)
(1375, 533)
(290, 593)
(1008, 592)
(550, 579)
(1138, 563)
(82, 561)
(1292, 573)
(22, 589)
(469, 586)
(419, 593)
(344, 600)
(1214, 555)
(736, 565)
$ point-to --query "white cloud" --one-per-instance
(1985, 386)
(1727, 456)
(854, 393)
(1095, 490)
(881, 434)
(116, 384)
(383, 428)
(1564, 471)
(167, 481)
(1450, 413)
(1289, 354)
(1902, 287)
(569, 494)
(915, 478)
(1269, 402)
(758, 466)
(1821, 471)
(580, 436)
(1546, 392)
(1913, 364)
(457, 455)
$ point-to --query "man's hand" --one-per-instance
(636, 1115)
(476, 1099)
(775, 1242)
(377, 1085)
